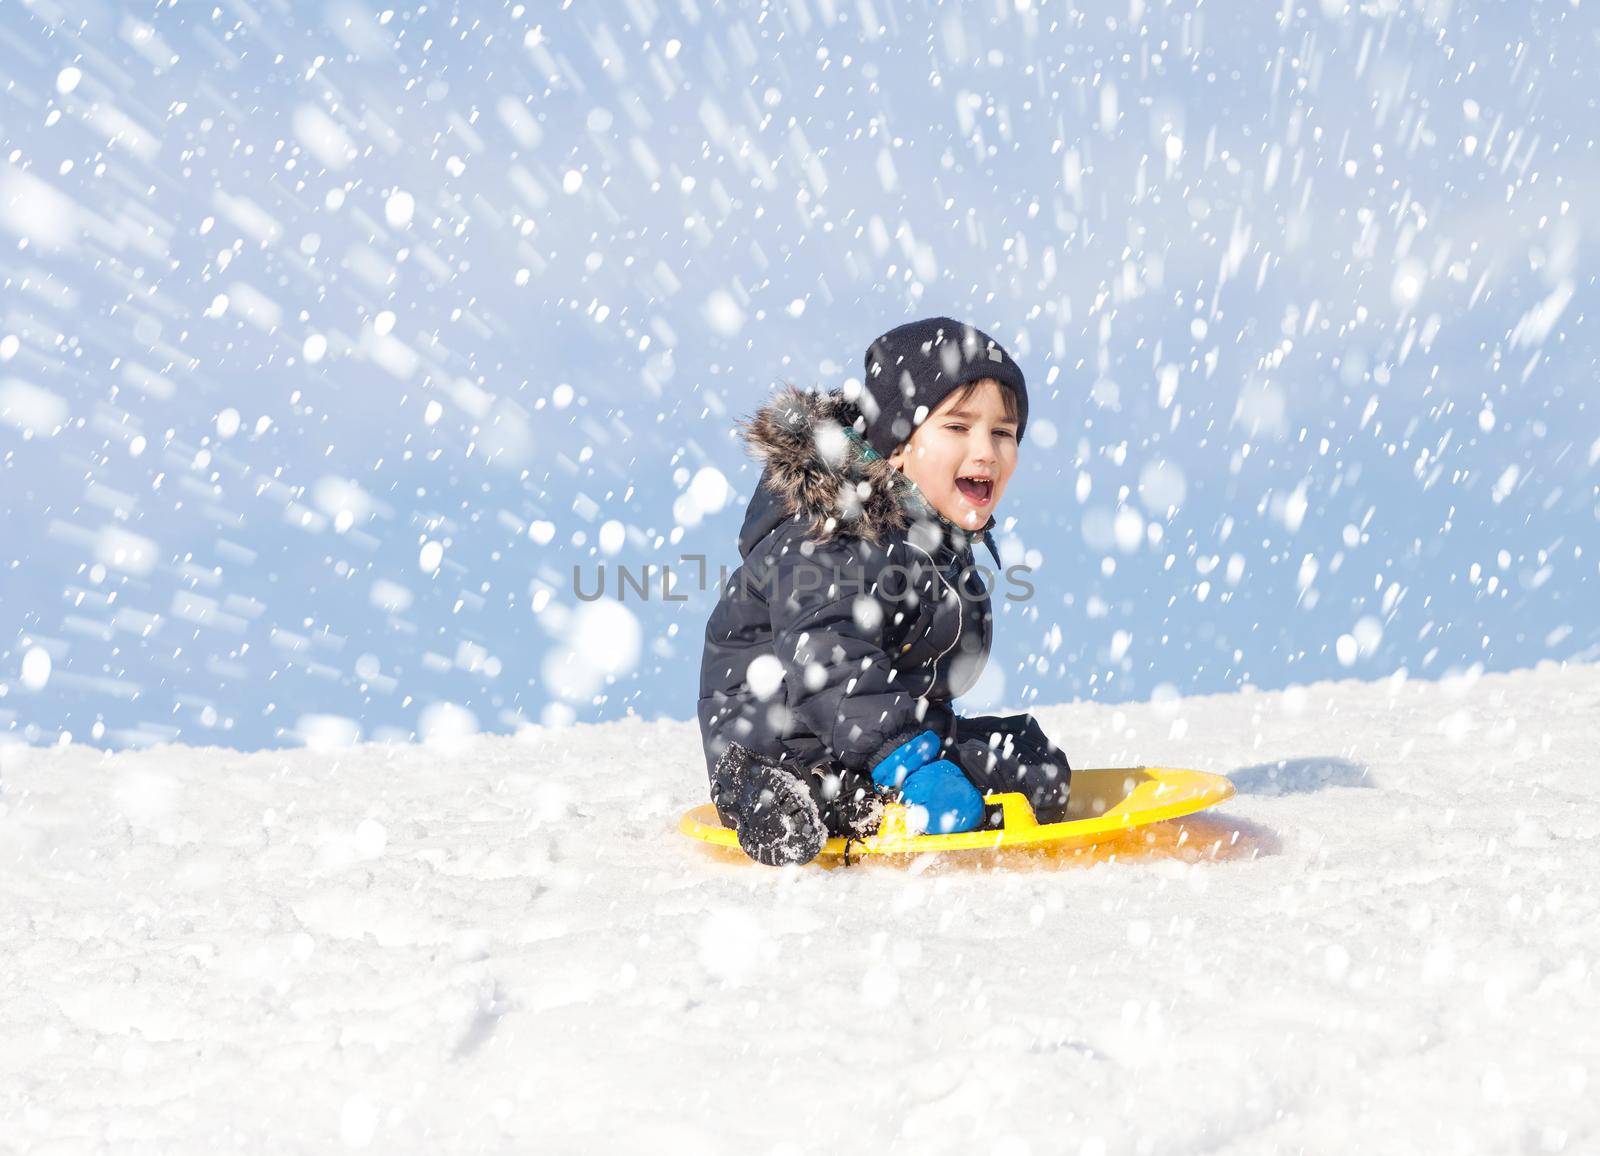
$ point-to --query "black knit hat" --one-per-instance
(918, 365)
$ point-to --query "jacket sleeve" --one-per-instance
(838, 676)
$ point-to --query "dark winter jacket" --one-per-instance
(856, 613)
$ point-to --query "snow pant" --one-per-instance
(997, 753)
(1012, 753)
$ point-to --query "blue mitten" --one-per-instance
(948, 801)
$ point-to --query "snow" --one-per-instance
(36, 668)
(1386, 940)
(31, 409)
(397, 210)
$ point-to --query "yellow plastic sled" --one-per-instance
(1101, 805)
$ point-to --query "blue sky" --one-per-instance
(334, 338)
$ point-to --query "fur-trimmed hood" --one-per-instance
(820, 469)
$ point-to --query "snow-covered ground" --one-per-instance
(1386, 940)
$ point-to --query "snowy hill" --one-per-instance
(1386, 939)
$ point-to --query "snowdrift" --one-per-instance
(1386, 939)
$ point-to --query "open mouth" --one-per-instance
(978, 491)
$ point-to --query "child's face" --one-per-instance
(962, 455)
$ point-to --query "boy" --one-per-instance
(856, 615)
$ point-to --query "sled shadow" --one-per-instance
(1299, 776)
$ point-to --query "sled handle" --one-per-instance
(1015, 813)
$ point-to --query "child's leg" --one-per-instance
(1012, 753)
